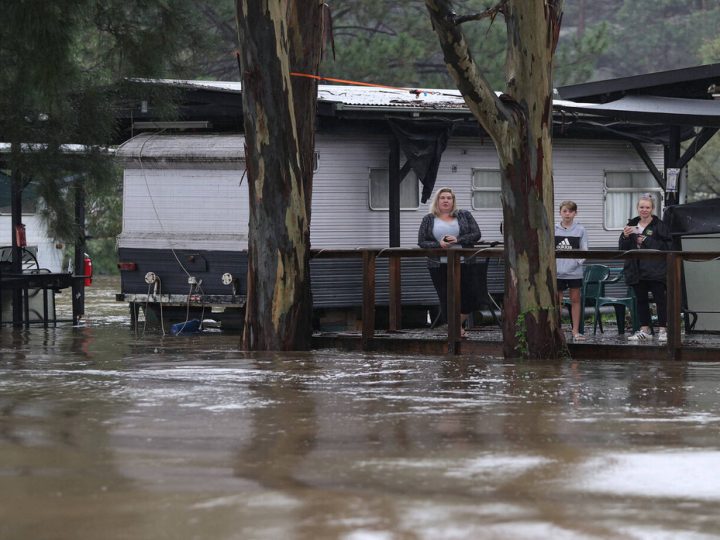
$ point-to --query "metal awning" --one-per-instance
(651, 110)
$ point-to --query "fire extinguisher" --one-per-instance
(87, 270)
(20, 238)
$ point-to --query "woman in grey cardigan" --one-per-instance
(446, 227)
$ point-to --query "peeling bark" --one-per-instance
(277, 37)
(520, 124)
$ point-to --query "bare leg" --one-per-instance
(576, 310)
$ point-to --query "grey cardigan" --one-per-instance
(469, 234)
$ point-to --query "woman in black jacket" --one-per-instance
(646, 231)
(446, 227)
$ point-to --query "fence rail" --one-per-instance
(369, 256)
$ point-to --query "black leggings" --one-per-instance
(659, 292)
(469, 296)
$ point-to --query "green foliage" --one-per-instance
(61, 67)
(704, 168)
(577, 54)
(521, 336)
(389, 42)
(657, 35)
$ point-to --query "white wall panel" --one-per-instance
(208, 207)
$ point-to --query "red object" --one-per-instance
(20, 238)
(87, 270)
(127, 266)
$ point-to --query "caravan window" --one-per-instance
(379, 186)
(29, 195)
(486, 189)
(622, 192)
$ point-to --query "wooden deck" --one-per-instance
(483, 341)
(487, 341)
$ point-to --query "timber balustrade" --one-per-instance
(369, 257)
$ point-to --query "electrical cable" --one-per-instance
(152, 201)
(147, 303)
(162, 320)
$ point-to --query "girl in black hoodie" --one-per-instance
(646, 231)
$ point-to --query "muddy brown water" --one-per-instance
(109, 434)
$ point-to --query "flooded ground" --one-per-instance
(105, 433)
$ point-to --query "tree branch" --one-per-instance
(489, 13)
(494, 115)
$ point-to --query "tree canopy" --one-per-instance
(61, 67)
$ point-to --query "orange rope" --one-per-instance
(356, 83)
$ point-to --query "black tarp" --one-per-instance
(701, 217)
(423, 142)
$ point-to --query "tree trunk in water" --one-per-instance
(276, 36)
(520, 124)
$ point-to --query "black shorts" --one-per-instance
(563, 284)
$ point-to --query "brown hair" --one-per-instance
(569, 205)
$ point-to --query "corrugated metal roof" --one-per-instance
(642, 108)
(348, 97)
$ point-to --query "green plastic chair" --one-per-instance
(621, 304)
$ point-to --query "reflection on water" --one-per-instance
(107, 435)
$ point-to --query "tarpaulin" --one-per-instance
(423, 142)
(701, 217)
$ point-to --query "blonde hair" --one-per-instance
(434, 204)
(647, 197)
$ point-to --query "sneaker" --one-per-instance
(639, 336)
(578, 338)
(662, 336)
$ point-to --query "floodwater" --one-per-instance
(109, 434)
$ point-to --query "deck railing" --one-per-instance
(369, 257)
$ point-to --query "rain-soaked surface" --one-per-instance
(109, 435)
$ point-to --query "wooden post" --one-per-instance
(16, 189)
(453, 301)
(368, 302)
(78, 282)
(395, 293)
(674, 299)
(672, 157)
(394, 180)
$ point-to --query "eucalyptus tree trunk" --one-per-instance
(520, 123)
(277, 37)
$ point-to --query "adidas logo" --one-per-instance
(565, 244)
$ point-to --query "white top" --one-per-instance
(443, 228)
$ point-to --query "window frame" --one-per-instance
(387, 184)
(474, 189)
(656, 190)
(29, 198)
